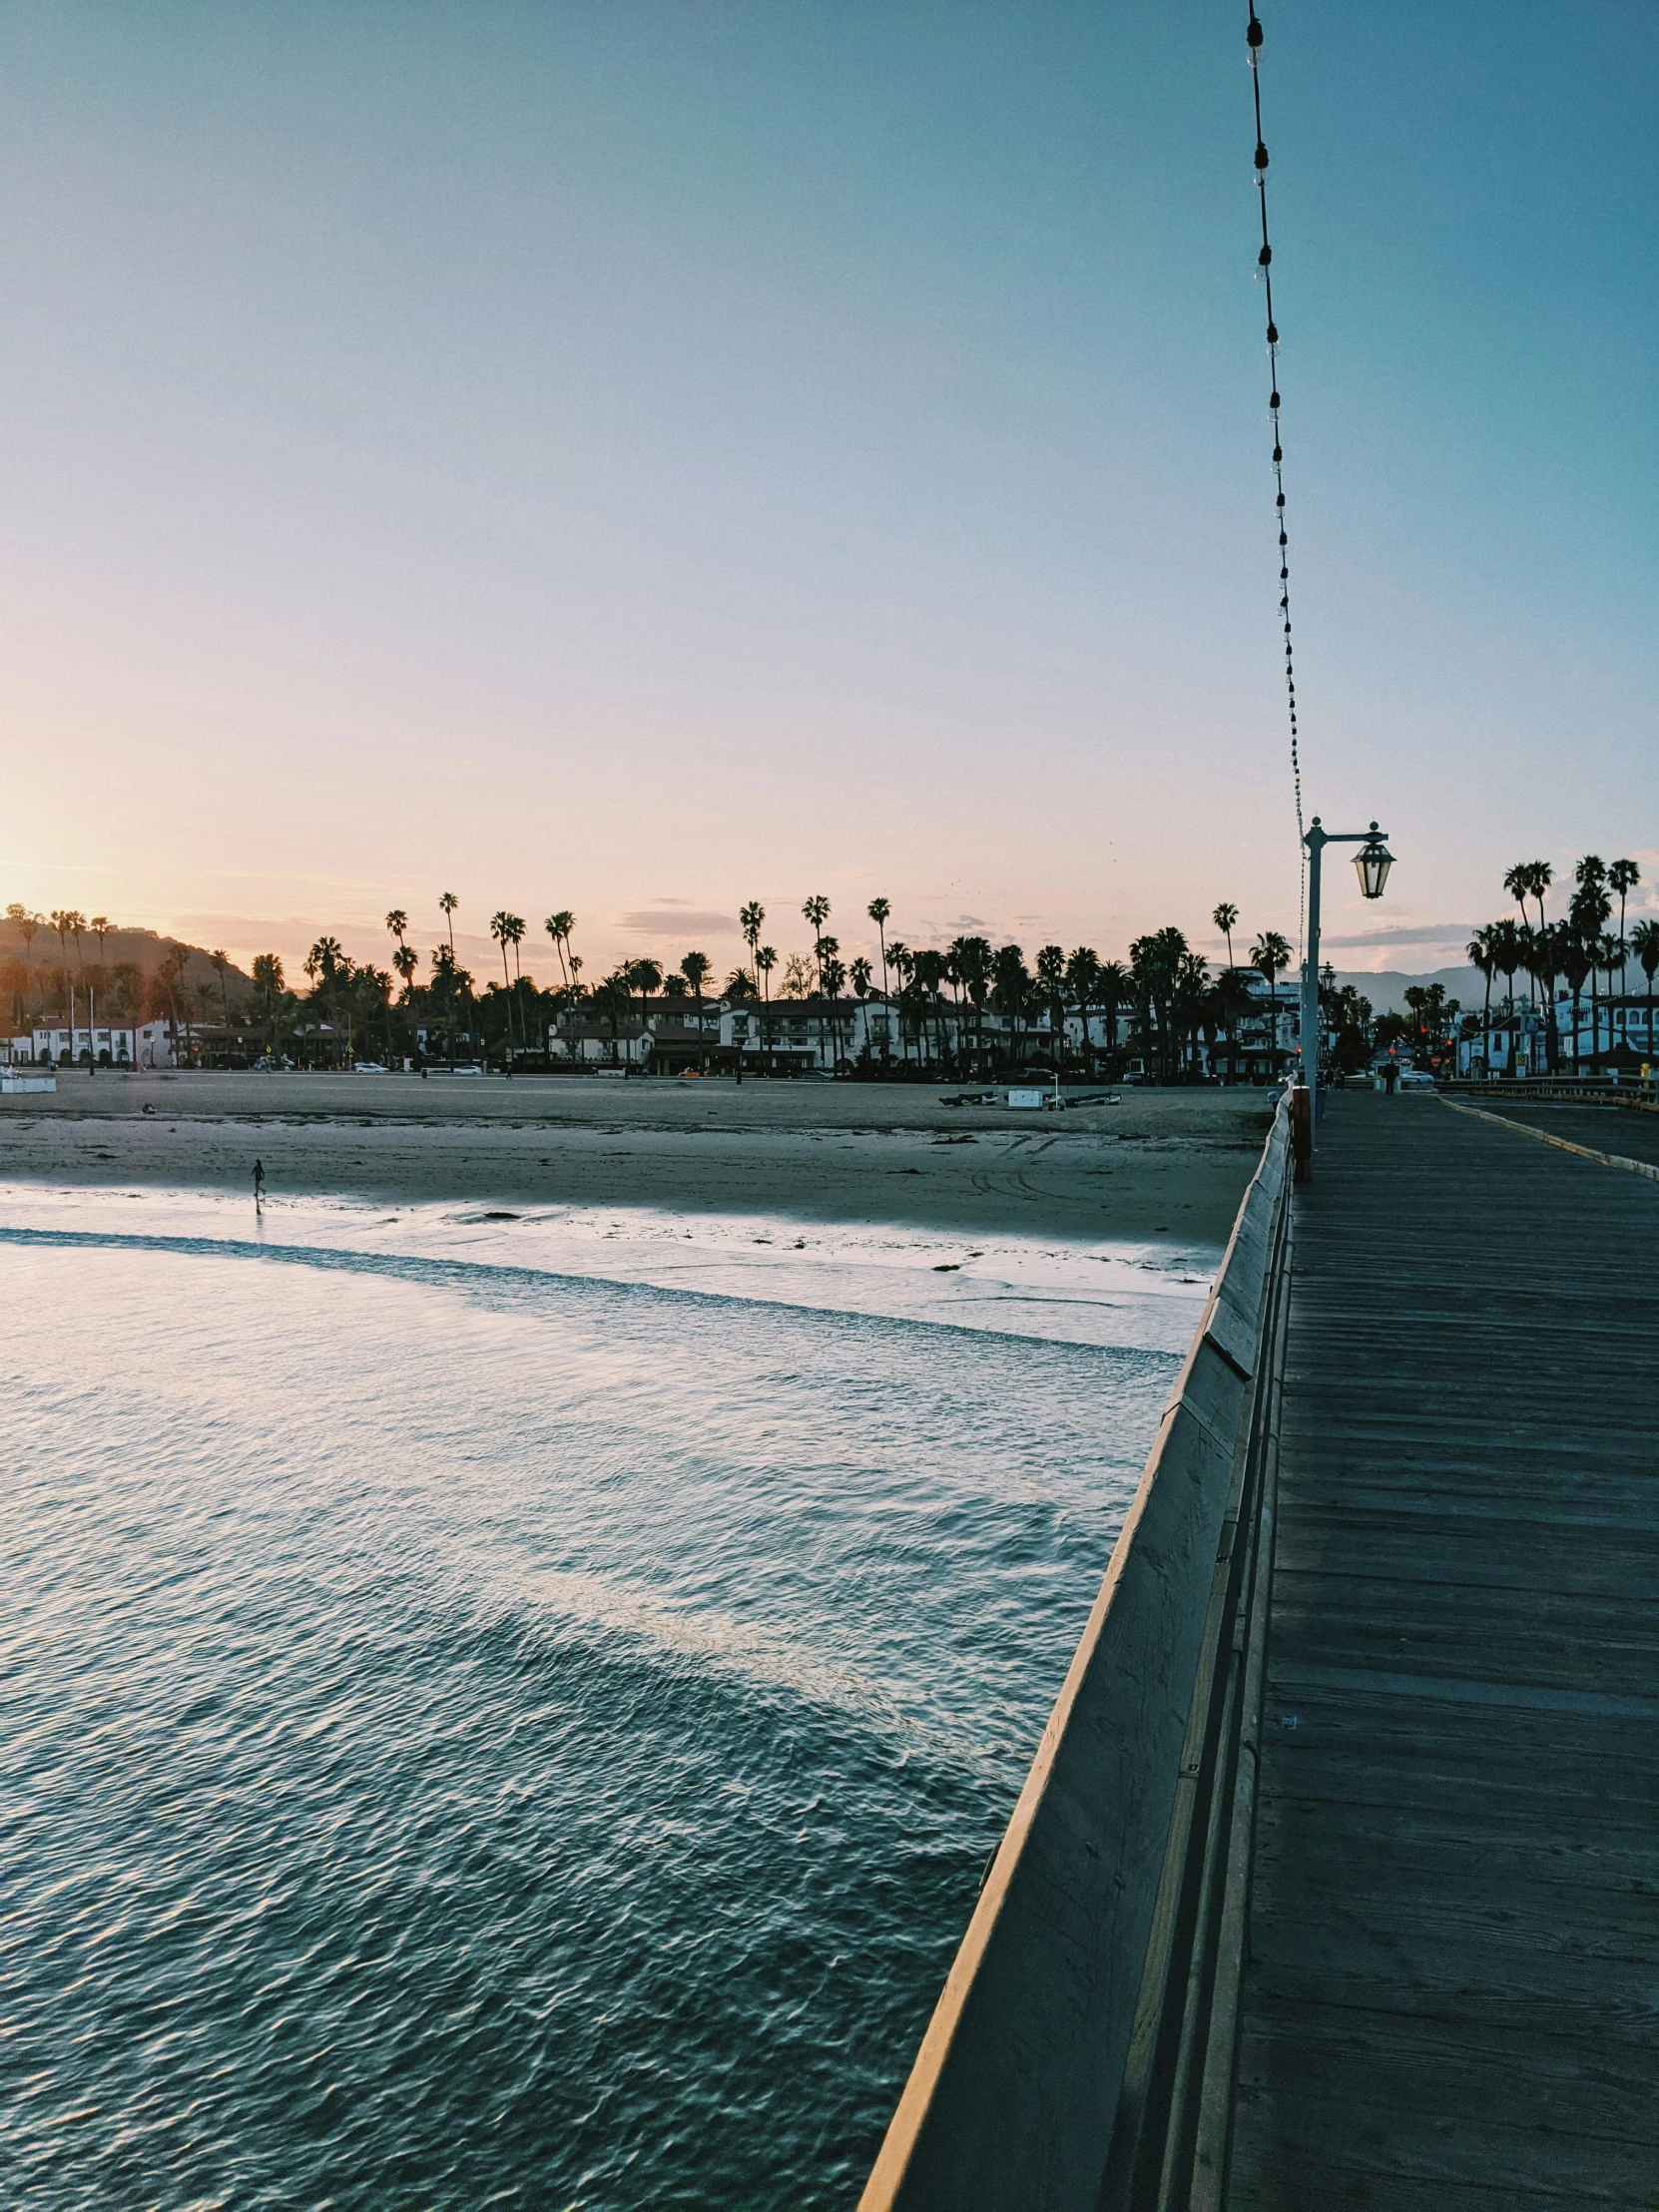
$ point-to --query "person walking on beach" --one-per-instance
(258, 1185)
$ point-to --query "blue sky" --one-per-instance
(640, 457)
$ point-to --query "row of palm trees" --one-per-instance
(1575, 949)
(940, 995)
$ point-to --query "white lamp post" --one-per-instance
(1372, 864)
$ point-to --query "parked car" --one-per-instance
(1415, 1079)
(368, 1067)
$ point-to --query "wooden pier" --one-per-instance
(1452, 1991)
(1391, 1863)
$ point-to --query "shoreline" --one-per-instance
(1159, 1164)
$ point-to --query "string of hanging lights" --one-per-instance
(1264, 262)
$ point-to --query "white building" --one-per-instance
(137, 1046)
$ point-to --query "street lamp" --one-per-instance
(1372, 864)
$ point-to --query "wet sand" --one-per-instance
(1159, 1163)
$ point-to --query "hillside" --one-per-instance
(31, 976)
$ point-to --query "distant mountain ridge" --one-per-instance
(1387, 989)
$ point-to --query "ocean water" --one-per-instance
(484, 1722)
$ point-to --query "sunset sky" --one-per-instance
(641, 458)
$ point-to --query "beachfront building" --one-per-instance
(1618, 1033)
(148, 1044)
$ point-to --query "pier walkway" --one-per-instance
(1452, 1993)
(1334, 1882)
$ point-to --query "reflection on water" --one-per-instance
(474, 1735)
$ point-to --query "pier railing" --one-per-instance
(1079, 2058)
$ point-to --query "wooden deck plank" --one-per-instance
(1452, 1994)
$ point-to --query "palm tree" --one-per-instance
(501, 929)
(1082, 971)
(558, 928)
(900, 963)
(1545, 956)
(695, 968)
(1622, 878)
(929, 967)
(1271, 954)
(1050, 971)
(645, 976)
(765, 959)
(404, 960)
(222, 961)
(816, 913)
(1111, 988)
(1529, 879)
(28, 923)
(448, 903)
(614, 998)
(1233, 999)
(100, 924)
(1226, 919)
(1010, 990)
(397, 922)
(752, 920)
(879, 911)
(1482, 954)
(1644, 942)
(268, 987)
(1574, 955)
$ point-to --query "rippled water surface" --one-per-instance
(480, 1736)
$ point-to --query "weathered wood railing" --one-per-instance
(1079, 2058)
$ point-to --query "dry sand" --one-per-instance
(1171, 1163)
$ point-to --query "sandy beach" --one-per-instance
(1159, 1163)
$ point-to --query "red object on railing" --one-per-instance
(1301, 1132)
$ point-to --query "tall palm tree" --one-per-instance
(404, 960)
(1482, 955)
(448, 903)
(1010, 990)
(1644, 942)
(1233, 1000)
(1082, 970)
(501, 929)
(1050, 971)
(900, 963)
(28, 925)
(397, 924)
(1226, 919)
(879, 911)
(1622, 878)
(752, 920)
(970, 962)
(1111, 988)
(816, 913)
(1575, 968)
(1545, 954)
(1588, 911)
(63, 924)
(765, 959)
(222, 964)
(558, 928)
(930, 968)
(1529, 879)
(1270, 955)
(101, 925)
(695, 968)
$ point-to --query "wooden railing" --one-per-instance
(1080, 2054)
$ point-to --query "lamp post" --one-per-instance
(1372, 864)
